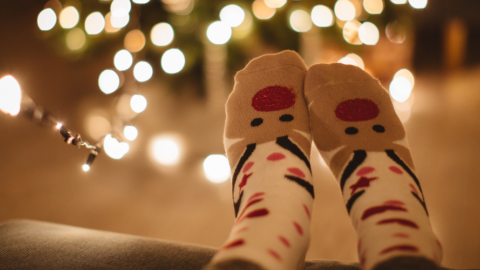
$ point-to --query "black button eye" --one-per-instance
(351, 130)
(286, 118)
(256, 122)
(379, 128)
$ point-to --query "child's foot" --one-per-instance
(267, 139)
(356, 130)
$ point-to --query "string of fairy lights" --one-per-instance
(78, 31)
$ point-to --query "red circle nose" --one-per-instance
(273, 98)
(356, 110)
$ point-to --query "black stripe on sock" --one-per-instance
(248, 152)
(236, 205)
(400, 162)
(358, 158)
(421, 202)
(285, 143)
(302, 183)
(353, 199)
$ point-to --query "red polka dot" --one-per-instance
(273, 98)
(247, 167)
(365, 170)
(296, 171)
(395, 169)
(284, 241)
(274, 254)
(298, 227)
(276, 156)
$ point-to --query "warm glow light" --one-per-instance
(94, 23)
(58, 126)
(123, 107)
(75, 39)
(368, 33)
(352, 59)
(219, 32)
(166, 150)
(142, 71)
(275, 3)
(69, 17)
(232, 15)
(262, 11)
(10, 95)
(47, 19)
(120, 8)
(173, 61)
(119, 21)
(216, 168)
(108, 24)
(300, 21)
(418, 4)
(134, 41)
(114, 148)
(350, 32)
(85, 167)
(123, 60)
(108, 81)
(395, 32)
(399, 2)
(162, 34)
(140, 1)
(322, 16)
(243, 29)
(97, 126)
(130, 132)
(407, 74)
(373, 6)
(138, 103)
(403, 110)
(400, 89)
(344, 10)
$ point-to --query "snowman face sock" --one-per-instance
(267, 139)
(357, 132)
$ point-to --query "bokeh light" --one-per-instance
(75, 39)
(109, 28)
(166, 150)
(399, 2)
(353, 59)
(219, 32)
(108, 81)
(216, 168)
(142, 71)
(418, 4)
(232, 15)
(123, 60)
(120, 8)
(120, 21)
(322, 16)
(262, 11)
(373, 6)
(162, 34)
(123, 108)
(134, 41)
(85, 167)
(400, 89)
(172, 61)
(245, 28)
(69, 17)
(407, 74)
(368, 33)
(350, 32)
(10, 95)
(130, 132)
(275, 3)
(113, 148)
(345, 10)
(140, 1)
(395, 32)
(97, 126)
(300, 21)
(138, 103)
(94, 23)
(46, 19)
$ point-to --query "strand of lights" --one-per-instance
(14, 102)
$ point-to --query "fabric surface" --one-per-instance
(26, 244)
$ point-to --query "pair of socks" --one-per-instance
(277, 105)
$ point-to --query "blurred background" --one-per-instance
(144, 82)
